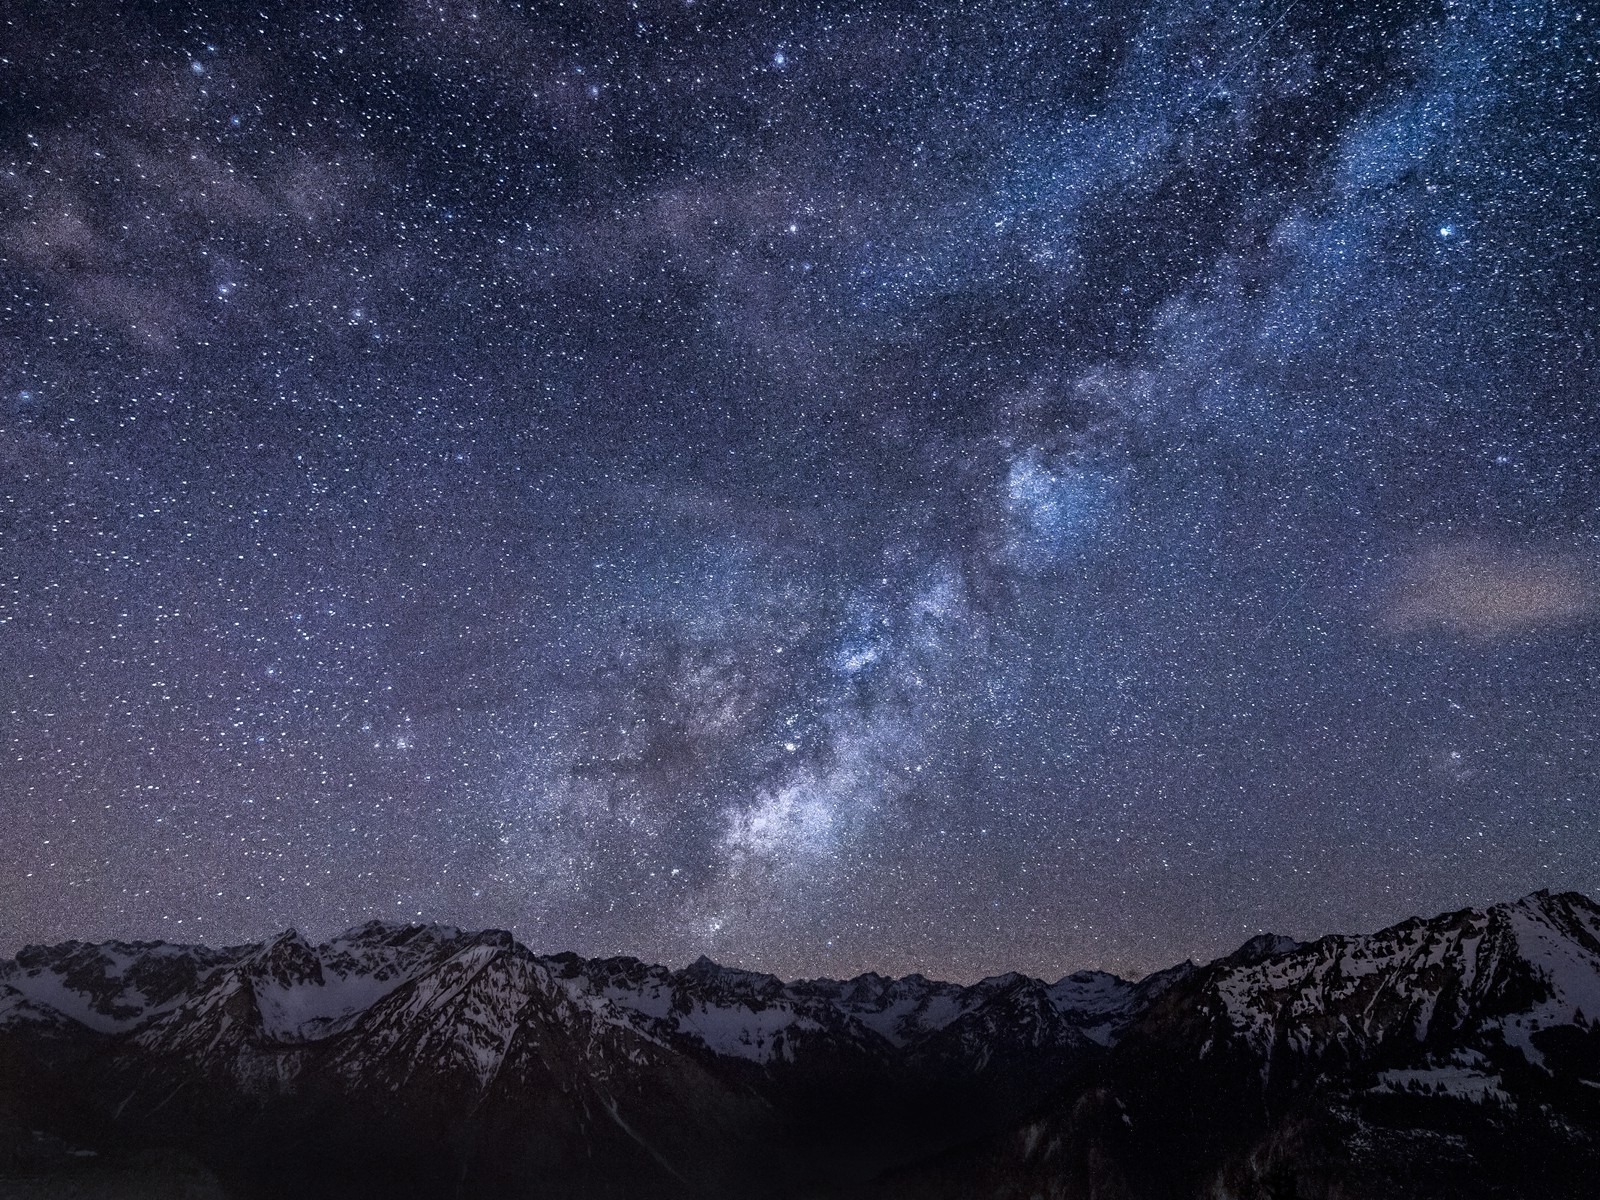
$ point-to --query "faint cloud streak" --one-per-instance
(1484, 591)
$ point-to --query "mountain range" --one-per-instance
(1454, 1056)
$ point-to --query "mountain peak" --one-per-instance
(1005, 981)
(287, 960)
(1547, 901)
(1262, 947)
(1469, 1004)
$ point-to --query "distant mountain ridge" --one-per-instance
(423, 1060)
(303, 992)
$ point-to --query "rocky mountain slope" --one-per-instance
(1456, 1056)
(1432, 1058)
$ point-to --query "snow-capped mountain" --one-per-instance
(1455, 1056)
(421, 1054)
(299, 993)
(1482, 977)
(113, 986)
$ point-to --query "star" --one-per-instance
(904, 468)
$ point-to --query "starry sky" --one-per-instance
(902, 486)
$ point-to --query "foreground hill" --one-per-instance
(1443, 1057)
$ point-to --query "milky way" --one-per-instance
(828, 487)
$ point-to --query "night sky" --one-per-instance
(912, 487)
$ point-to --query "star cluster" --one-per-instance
(902, 486)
